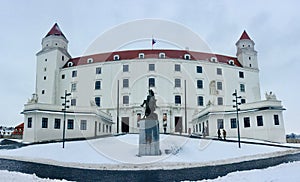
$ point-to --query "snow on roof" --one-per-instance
(169, 54)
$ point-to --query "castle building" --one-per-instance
(193, 92)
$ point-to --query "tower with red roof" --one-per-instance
(50, 59)
(246, 53)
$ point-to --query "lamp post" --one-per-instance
(64, 109)
(236, 97)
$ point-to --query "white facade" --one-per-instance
(115, 84)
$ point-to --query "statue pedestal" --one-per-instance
(149, 138)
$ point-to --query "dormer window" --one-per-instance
(187, 56)
(141, 55)
(231, 62)
(70, 64)
(116, 57)
(90, 60)
(214, 59)
(162, 55)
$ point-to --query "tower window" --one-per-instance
(276, 119)
(151, 67)
(241, 74)
(125, 99)
(73, 87)
(45, 60)
(98, 70)
(219, 86)
(187, 56)
(151, 82)
(45, 77)
(162, 55)
(43, 91)
(74, 73)
(98, 85)
(243, 101)
(73, 102)
(177, 99)
(45, 69)
(125, 68)
(219, 71)
(199, 69)
(29, 123)
(242, 87)
(62, 58)
(177, 67)
(98, 101)
(116, 57)
(200, 84)
(259, 120)
(249, 58)
(220, 101)
(63, 76)
(177, 82)
(125, 83)
(200, 101)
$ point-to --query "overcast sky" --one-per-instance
(273, 25)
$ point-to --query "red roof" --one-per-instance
(55, 30)
(245, 36)
(134, 54)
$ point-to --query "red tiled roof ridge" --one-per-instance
(151, 53)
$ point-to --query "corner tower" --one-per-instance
(246, 53)
(50, 59)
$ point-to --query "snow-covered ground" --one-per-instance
(121, 153)
(283, 172)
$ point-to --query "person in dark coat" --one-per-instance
(219, 134)
(224, 134)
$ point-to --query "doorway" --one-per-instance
(178, 124)
(125, 125)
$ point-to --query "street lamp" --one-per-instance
(237, 114)
(64, 109)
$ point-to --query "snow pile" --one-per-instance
(16, 176)
(283, 172)
(120, 152)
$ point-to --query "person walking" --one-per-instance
(224, 134)
(219, 134)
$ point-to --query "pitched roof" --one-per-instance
(245, 36)
(169, 54)
(55, 30)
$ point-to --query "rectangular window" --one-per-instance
(276, 119)
(151, 82)
(63, 76)
(73, 87)
(220, 101)
(99, 127)
(199, 69)
(74, 73)
(70, 125)
(242, 87)
(125, 99)
(29, 123)
(220, 123)
(151, 67)
(103, 128)
(246, 122)
(177, 67)
(83, 125)
(219, 86)
(44, 122)
(200, 101)
(243, 101)
(241, 74)
(259, 120)
(97, 85)
(98, 70)
(125, 68)
(233, 123)
(73, 102)
(177, 82)
(56, 123)
(200, 84)
(98, 101)
(125, 83)
(219, 71)
(177, 99)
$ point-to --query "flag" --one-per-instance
(153, 41)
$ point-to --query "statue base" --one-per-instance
(149, 138)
